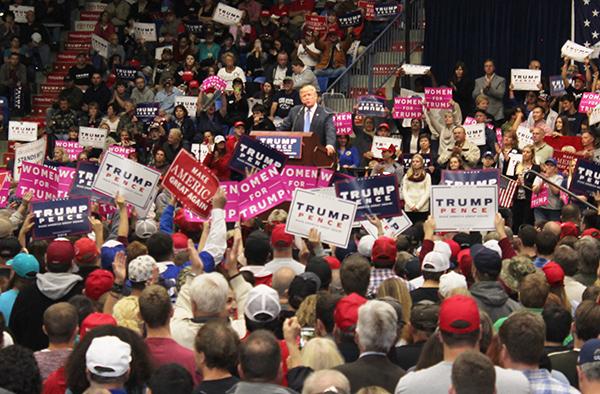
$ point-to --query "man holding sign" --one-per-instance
(311, 117)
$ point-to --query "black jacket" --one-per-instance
(372, 370)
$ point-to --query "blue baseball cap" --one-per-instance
(488, 153)
(25, 265)
(590, 352)
(550, 160)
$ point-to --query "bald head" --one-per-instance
(319, 381)
(553, 227)
(282, 278)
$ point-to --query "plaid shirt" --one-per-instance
(378, 275)
(541, 382)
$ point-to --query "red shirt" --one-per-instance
(166, 350)
(220, 166)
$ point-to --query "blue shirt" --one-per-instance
(350, 157)
(7, 300)
(540, 262)
(541, 382)
(167, 101)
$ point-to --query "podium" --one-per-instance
(301, 148)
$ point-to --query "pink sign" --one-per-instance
(261, 192)
(588, 102)
(231, 189)
(122, 151)
(65, 179)
(343, 123)
(105, 209)
(499, 136)
(408, 108)
(540, 199)
(438, 98)
(72, 148)
(469, 121)
(4, 189)
(213, 83)
(300, 177)
(39, 179)
(325, 176)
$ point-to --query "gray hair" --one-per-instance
(588, 253)
(591, 370)
(319, 381)
(209, 293)
(377, 326)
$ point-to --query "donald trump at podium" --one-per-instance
(311, 117)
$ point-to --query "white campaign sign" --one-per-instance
(200, 151)
(227, 15)
(33, 152)
(20, 12)
(575, 51)
(595, 115)
(392, 227)
(475, 133)
(89, 136)
(525, 79)
(145, 31)
(415, 69)
(85, 25)
(189, 102)
(524, 136)
(95, 6)
(158, 51)
(464, 208)
(132, 180)
(100, 45)
(332, 217)
(384, 142)
(22, 131)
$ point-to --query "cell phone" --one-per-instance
(306, 334)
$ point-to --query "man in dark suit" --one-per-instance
(376, 333)
(311, 117)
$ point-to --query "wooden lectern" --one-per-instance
(312, 152)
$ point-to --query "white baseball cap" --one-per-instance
(264, 300)
(451, 281)
(435, 262)
(365, 246)
(219, 139)
(493, 244)
(108, 357)
(442, 247)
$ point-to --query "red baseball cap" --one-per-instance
(239, 123)
(60, 252)
(185, 225)
(193, 84)
(384, 125)
(591, 232)
(568, 228)
(459, 315)
(97, 283)
(384, 250)
(279, 238)
(265, 13)
(86, 251)
(334, 263)
(579, 76)
(94, 320)
(391, 148)
(345, 314)
(180, 241)
(454, 247)
(554, 273)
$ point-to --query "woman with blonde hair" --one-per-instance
(307, 312)
(522, 212)
(321, 353)
(397, 289)
(442, 131)
(416, 187)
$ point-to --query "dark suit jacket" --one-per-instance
(270, 73)
(372, 370)
(321, 124)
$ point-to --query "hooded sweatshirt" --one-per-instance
(259, 388)
(492, 299)
(31, 303)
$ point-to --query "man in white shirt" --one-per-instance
(282, 251)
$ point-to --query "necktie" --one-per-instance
(306, 120)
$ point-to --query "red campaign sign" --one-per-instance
(369, 7)
(316, 22)
(191, 183)
(563, 159)
(558, 143)
(407, 108)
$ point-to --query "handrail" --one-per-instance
(366, 51)
(570, 193)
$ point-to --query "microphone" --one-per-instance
(296, 117)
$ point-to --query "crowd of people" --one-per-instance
(167, 304)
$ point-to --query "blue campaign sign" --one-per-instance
(371, 105)
(471, 177)
(146, 112)
(289, 146)
(407, 160)
(126, 73)
(586, 176)
(83, 181)
(59, 218)
(377, 195)
(250, 153)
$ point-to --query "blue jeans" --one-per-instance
(332, 74)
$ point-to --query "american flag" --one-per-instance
(506, 192)
(587, 22)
